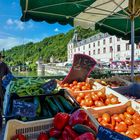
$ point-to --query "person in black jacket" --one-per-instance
(4, 70)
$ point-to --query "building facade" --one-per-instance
(102, 47)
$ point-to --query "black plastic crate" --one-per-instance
(63, 92)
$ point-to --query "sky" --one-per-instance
(14, 32)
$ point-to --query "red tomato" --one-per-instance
(87, 96)
(122, 117)
(82, 103)
(114, 100)
(94, 97)
(84, 88)
(78, 99)
(70, 85)
(121, 127)
(127, 115)
(130, 110)
(106, 117)
(66, 85)
(99, 103)
(107, 101)
(74, 82)
(81, 94)
(116, 118)
(101, 95)
(128, 121)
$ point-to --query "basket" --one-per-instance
(32, 129)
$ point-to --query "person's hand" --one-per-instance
(3, 77)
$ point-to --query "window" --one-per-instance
(104, 50)
(127, 46)
(78, 49)
(110, 39)
(83, 47)
(137, 47)
(93, 51)
(83, 52)
(98, 51)
(93, 44)
(89, 45)
(104, 41)
(118, 39)
(98, 43)
(75, 50)
(118, 48)
(89, 53)
(111, 49)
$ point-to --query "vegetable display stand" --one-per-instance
(31, 130)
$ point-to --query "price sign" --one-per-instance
(24, 109)
(107, 134)
(81, 68)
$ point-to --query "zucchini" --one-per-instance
(59, 105)
(66, 104)
(80, 129)
(52, 106)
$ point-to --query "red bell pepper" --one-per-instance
(86, 136)
(61, 120)
(90, 124)
(79, 117)
(54, 133)
(71, 132)
(43, 136)
(19, 137)
(66, 136)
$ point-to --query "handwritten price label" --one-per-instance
(81, 68)
(107, 134)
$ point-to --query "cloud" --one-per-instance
(17, 24)
(9, 22)
(56, 30)
(7, 42)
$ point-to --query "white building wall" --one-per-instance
(103, 42)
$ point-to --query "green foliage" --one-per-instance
(55, 46)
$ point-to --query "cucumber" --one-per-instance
(38, 105)
(52, 106)
(52, 138)
(66, 104)
(50, 114)
(80, 129)
(57, 102)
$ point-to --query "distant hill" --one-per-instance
(55, 46)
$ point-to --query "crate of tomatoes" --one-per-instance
(124, 119)
(79, 125)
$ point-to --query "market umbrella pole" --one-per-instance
(132, 49)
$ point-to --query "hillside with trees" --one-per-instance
(56, 46)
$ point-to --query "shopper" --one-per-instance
(4, 71)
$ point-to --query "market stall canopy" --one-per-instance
(51, 11)
(119, 23)
(112, 16)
